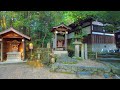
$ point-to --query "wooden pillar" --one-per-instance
(56, 40)
(66, 40)
(1, 49)
(23, 40)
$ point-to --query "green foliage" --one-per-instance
(69, 62)
(110, 28)
(70, 49)
(70, 52)
(37, 24)
(80, 35)
(78, 58)
(91, 55)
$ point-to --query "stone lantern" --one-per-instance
(77, 49)
(80, 46)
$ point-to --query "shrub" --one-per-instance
(70, 52)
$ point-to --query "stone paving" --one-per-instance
(24, 71)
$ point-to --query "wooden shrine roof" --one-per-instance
(61, 27)
(15, 31)
(79, 23)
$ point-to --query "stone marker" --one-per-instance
(48, 45)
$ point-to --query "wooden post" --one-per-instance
(55, 40)
(86, 54)
(66, 41)
(23, 40)
(24, 49)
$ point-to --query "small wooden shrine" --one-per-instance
(12, 45)
(60, 37)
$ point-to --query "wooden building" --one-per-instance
(117, 38)
(12, 45)
(97, 38)
(59, 39)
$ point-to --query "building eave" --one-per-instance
(15, 31)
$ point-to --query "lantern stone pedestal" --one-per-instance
(79, 45)
(83, 47)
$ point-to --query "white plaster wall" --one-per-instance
(99, 47)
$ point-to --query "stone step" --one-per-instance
(61, 54)
(109, 59)
(84, 73)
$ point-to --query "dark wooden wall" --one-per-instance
(96, 39)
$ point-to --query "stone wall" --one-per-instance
(72, 68)
(99, 47)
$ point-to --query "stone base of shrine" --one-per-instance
(61, 53)
(7, 62)
(13, 56)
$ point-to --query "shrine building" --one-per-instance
(12, 45)
(60, 34)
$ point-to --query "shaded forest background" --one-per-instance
(37, 24)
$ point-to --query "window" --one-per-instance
(97, 28)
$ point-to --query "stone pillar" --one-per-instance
(23, 40)
(82, 51)
(66, 40)
(85, 51)
(77, 50)
(78, 45)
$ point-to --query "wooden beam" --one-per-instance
(65, 41)
(55, 41)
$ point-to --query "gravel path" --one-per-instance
(24, 71)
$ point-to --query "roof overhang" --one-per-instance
(61, 26)
(15, 31)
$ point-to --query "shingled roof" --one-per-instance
(15, 31)
(79, 23)
(61, 26)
